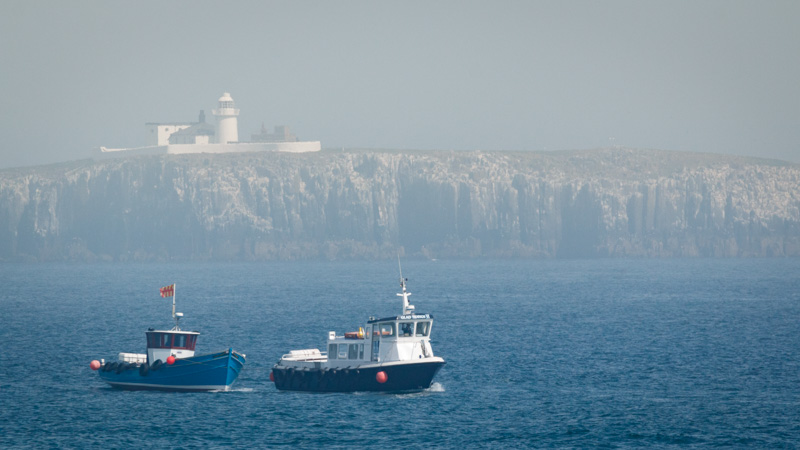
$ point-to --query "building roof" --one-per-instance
(198, 129)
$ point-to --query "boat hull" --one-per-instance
(215, 371)
(400, 377)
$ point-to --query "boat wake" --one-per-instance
(435, 387)
(222, 391)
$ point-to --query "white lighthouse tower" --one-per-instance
(227, 123)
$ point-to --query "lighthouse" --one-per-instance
(227, 125)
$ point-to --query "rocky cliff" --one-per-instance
(372, 204)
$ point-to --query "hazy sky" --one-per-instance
(709, 76)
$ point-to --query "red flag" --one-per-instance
(168, 291)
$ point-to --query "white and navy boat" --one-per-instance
(392, 354)
(170, 363)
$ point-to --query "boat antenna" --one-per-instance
(400, 268)
(407, 308)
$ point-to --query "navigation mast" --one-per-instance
(407, 307)
(175, 315)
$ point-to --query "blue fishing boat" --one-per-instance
(170, 363)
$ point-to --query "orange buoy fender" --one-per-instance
(381, 377)
(95, 364)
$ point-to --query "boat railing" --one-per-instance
(136, 358)
(312, 354)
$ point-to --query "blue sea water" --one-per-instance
(566, 353)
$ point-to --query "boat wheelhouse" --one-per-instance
(162, 344)
(388, 354)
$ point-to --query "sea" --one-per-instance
(596, 353)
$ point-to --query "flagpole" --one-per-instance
(173, 304)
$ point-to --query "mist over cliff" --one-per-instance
(372, 204)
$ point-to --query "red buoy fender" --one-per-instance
(95, 364)
(381, 377)
(170, 360)
(272, 377)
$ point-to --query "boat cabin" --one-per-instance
(163, 343)
(400, 338)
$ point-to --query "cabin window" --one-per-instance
(158, 340)
(331, 351)
(352, 351)
(386, 329)
(192, 340)
(342, 351)
(179, 341)
(406, 329)
(360, 351)
(423, 328)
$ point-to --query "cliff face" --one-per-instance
(370, 204)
